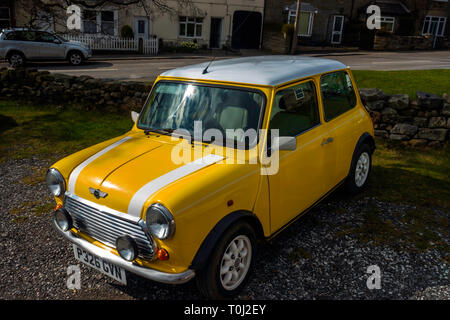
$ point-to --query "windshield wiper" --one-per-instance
(165, 131)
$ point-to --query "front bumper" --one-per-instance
(151, 274)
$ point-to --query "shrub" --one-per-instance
(188, 46)
(287, 29)
(126, 32)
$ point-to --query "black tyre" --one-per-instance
(16, 59)
(230, 264)
(75, 58)
(360, 169)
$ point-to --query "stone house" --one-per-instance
(210, 23)
(343, 22)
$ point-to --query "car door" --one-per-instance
(25, 42)
(341, 118)
(298, 184)
(49, 49)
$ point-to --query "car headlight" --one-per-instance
(160, 221)
(55, 182)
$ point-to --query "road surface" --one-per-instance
(136, 68)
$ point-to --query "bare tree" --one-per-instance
(53, 12)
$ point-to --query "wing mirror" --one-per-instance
(134, 116)
(57, 41)
(284, 143)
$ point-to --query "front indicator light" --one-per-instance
(127, 248)
(63, 219)
(162, 254)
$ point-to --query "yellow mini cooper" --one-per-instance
(223, 155)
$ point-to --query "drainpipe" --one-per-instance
(296, 26)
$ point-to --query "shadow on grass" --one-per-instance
(6, 123)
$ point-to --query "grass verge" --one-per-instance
(404, 82)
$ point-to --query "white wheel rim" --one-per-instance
(362, 169)
(75, 58)
(235, 262)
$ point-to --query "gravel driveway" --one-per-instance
(313, 259)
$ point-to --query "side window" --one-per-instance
(295, 109)
(25, 36)
(338, 95)
(45, 37)
(11, 36)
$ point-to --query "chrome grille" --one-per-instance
(105, 227)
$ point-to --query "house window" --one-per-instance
(434, 25)
(107, 22)
(387, 23)
(5, 19)
(191, 27)
(306, 22)
(89, 21)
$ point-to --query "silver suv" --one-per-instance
(21, 45)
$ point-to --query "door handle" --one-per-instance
(327, 141)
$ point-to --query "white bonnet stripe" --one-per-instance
(141, 196)
(76, 172)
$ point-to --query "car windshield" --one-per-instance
(61, 38)
(232, 112)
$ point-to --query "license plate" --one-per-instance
(99, 264)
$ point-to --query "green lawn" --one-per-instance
(396, 82)
(414, 176)
(26, 131)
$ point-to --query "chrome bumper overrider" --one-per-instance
(151, 274)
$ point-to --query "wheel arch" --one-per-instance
(14, 50)
(366, 138)
(69, 51)
(206, 248)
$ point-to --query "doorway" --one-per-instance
(336, 33)
(141, 29)
(246, 30)
(215, 36)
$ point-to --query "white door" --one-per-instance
(338, 25)
(141, 29)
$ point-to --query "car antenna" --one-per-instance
(205, 71)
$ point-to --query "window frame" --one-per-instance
(102, 29)
(186, 23)
(293, 84)
(293, 14)
(428, 20)
(9, 15)
(86, 20)
(386, 19)
(322, 98)
(98, 22)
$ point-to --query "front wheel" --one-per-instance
(360, 170)
(16, 60)
(75, 58)
(230, 264)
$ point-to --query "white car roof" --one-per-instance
(259, 70)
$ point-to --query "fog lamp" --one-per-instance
(127, 248)
(63, 219)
